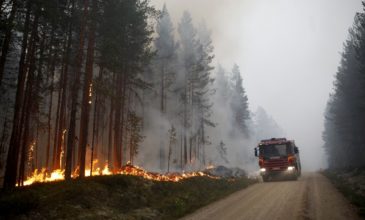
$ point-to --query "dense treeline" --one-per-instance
(344, 133)
(61, 63)
(86, 83)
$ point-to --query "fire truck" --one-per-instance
(278, 157)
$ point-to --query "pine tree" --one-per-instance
(345, 120)
(164, 68)
(239, 104)
(188, 58)
(265, 126)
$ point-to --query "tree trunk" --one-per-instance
(7, 39)
(28, 103)
(95, 134)
(117, 128)
(49, 69)
(87, 95)
(110, 136)
(37, 92)
(62, 117)
(185, 122)
(74, 93)
(4, 137)
(49, 125)
(203, 142)
(162, 111)
(14, 146)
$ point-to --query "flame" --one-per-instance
(129, 169)
(31, 155)
(106, 171)
(42, 176)
(90, 93)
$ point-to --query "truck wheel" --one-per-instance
(265, 178)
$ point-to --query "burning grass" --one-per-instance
(116, 197)
(42, 176)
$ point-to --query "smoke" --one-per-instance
(288, 52)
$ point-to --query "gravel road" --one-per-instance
(311, 197)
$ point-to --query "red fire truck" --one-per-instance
(278, 157)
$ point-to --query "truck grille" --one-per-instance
(276, 164)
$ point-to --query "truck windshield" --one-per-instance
(275, 150)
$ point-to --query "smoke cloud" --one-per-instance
(288, 52)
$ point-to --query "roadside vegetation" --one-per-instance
(351, 183)
(343, 135)
(116, 197)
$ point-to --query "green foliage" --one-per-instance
(134, 127)
(350, 189)
(125, 34)
(239, 104)
(345, 119)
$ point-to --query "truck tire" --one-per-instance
(265, 178)
(294, 177)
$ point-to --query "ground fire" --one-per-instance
(42, 176)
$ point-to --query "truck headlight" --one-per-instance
(290, 168)
(263, 170)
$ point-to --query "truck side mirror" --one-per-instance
(256, 153)
(296, 150)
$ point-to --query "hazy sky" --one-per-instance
(288, 51)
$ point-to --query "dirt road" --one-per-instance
(311, 197)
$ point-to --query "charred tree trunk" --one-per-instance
(117, 122)
(49, 69)
(96, 120)
(75, 90)
(14, 146)
(55, 163)
(87, 95)
(123, 114)
(63, 88)
(37, 92)
(181, 153)
(110, 136)
(162, 111)
(185, 126)
(28, 103)
(4, 137)
(203, 143)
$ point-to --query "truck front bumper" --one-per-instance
(290, 170)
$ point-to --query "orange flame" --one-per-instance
(58, 175)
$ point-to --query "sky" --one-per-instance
(288, 52)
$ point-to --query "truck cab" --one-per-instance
(278, 157)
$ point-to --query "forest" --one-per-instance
(344, 133)
(92, 84)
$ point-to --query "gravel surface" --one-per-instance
(311, 197)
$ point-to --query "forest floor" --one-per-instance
(116, 197)
(351, 183)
